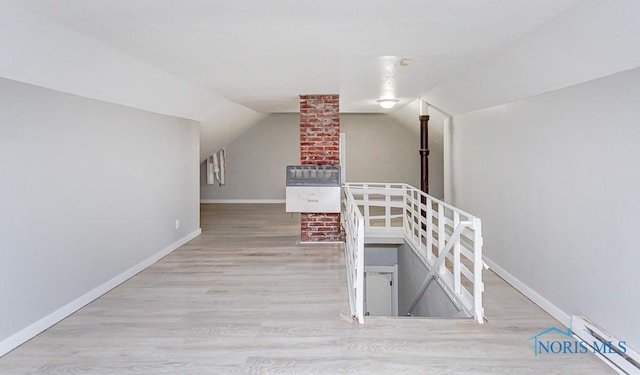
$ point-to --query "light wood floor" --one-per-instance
(246, 298)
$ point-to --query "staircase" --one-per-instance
(445, 239)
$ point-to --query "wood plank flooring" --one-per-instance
(246, 298)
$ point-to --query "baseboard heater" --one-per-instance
(615, 352)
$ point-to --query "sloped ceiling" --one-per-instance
(228, 63)
(590, 40)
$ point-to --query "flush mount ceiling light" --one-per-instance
(405, 61)
(387, 103)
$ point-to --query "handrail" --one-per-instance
(436, 232)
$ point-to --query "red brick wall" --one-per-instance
(320, 145)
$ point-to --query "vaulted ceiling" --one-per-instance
(228, 63)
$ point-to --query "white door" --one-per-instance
(378, 294)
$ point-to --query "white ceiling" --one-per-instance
(263, 54)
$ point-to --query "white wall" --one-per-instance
(257, 159)
(38, 51)
(378, 150)
(88, 190)
(225, 122)
(556, 181)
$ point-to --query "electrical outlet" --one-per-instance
(177, 223)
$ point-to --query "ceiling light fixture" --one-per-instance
(387, 103)
(405, 61)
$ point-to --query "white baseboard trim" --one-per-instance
(41, 325)
(320, 242)
(249, 201)
(539, 300)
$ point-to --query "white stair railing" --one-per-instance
(438, 264)
(446, 239)
(353, 224)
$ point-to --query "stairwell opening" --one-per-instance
(438, 252)
(394, 276)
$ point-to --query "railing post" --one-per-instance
(478, 285)
(360, 273)
(413, 215)
(416, 215)
(441, 233)
(387, 207)
(365, 202)
(405, 223)
(456, 256)
(429, 230)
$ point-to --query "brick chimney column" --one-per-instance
(319, 145)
